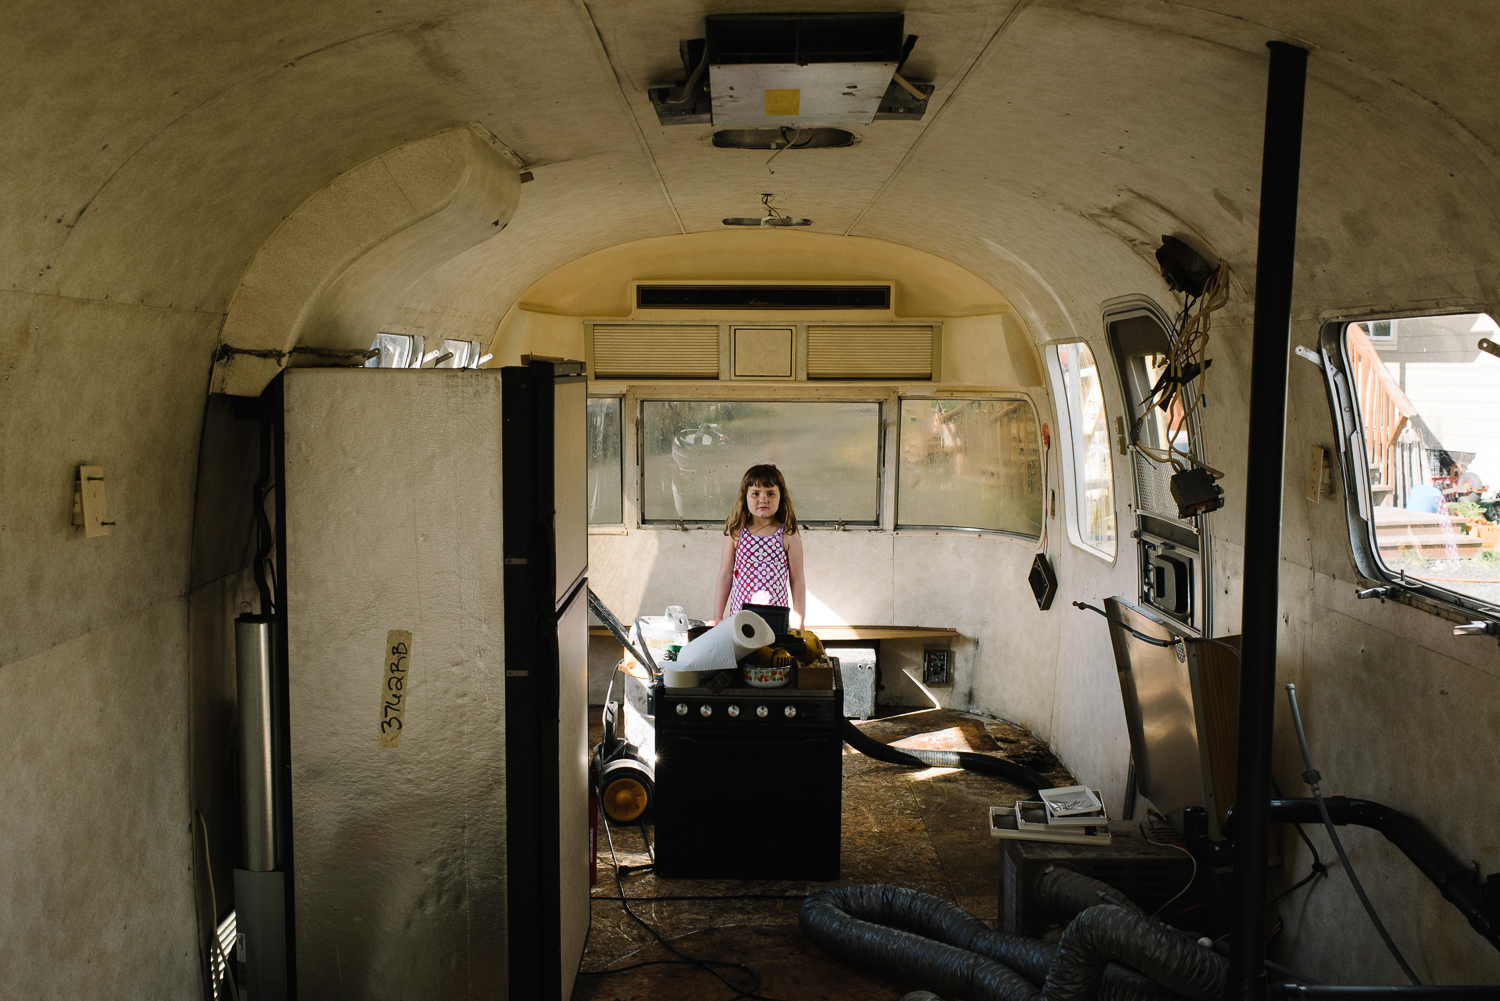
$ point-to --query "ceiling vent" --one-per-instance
(763, 296)
(782, 138)
(795, 70)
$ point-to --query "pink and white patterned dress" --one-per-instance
(760, 570)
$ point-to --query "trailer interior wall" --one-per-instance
(151, 151)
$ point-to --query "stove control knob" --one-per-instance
(790, 711)
(682, 708)
(705, 710)
(761, 711)
(733, 711)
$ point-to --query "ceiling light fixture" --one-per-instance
(774, 217)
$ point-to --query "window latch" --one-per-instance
(1479, 627)
(1374, 592)
(1308, 354)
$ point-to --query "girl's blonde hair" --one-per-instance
(765, 475)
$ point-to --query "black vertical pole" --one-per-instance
(1272, 342)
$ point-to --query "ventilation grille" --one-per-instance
(873, 352)
(657, 351)
(763, 296)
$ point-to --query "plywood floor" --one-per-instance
(926, 829)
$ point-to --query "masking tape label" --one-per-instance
(784, 102)
(393, 686)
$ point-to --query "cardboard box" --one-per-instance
(818, 674)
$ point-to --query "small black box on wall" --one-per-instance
(937, 667)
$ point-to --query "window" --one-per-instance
(1419, 422)
(970, 464)
(693, 453)
(1083, 434)
(1163, 438)
(605, 493)
(1161, 433)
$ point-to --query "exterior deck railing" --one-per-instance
(1398, 460)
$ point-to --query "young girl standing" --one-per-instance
(761, 563)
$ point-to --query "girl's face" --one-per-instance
(763, 502)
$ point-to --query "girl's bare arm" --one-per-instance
(798, 585)
(725, 579)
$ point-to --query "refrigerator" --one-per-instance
(432, 581)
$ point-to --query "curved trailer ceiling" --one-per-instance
(158, 148)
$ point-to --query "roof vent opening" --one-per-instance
(809, 70)
(783, 138)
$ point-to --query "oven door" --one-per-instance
(749, 806)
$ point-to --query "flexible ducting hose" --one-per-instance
(967, 760)
(926, 940)
(1066, 893)
(1107, 932)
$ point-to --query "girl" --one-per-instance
(761, 563)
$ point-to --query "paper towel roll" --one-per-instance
(721, 648)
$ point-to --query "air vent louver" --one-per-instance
(869, 352)
(656, 351)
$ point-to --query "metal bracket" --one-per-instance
(1310, 355)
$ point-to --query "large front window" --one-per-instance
(693, 453)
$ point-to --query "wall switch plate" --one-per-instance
(89, 501)
(937, 667)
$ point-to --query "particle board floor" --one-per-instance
(926, 829)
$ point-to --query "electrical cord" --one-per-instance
(1318, 868)
(1185, 362)
(752, 992)
(1168, 844)
(1041, 545)
(1314, 781)
(215, 947)
(1138, 635)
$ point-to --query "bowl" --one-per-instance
(762, 675)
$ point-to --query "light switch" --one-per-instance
(89, 501)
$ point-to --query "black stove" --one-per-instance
(749, 781)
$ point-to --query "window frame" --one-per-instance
(1148, 528)
(1067, 462)
(958, 394)
(1349, 438)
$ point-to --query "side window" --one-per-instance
(606, 496)
(1418, 412)
(970, 464)
(1087, 468)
